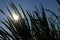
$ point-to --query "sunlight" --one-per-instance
(16, 17)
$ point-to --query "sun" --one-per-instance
(16, 17)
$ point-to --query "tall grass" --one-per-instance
(39, 28)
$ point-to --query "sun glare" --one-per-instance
(16, 17)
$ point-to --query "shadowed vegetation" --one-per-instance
(58, 1)
(32, 26)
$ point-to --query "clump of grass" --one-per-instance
(37, 29)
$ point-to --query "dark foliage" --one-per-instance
(29, 27)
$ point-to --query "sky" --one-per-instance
(29, 4)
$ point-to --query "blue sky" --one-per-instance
(29, 4)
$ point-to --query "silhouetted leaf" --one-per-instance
(58, 1)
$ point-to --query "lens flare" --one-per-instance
(16, 17)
